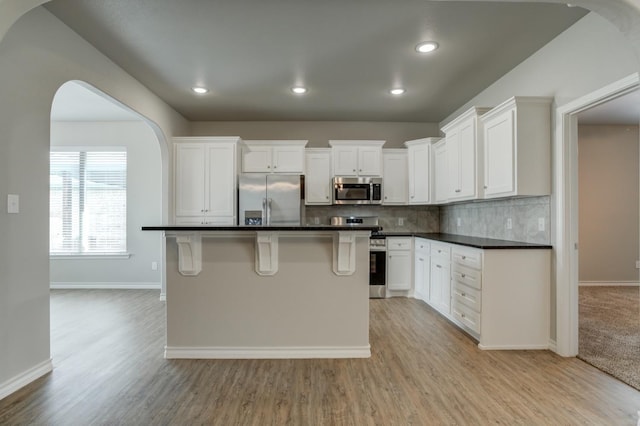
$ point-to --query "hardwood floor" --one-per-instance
(107, 350)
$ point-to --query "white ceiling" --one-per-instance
(348, 53)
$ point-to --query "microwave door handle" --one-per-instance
(264, 211)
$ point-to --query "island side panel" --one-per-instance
(305, 310)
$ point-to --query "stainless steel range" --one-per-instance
(377, 253)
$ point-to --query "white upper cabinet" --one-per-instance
(205, 170)
(420, 170)
(356, 157)
(440, 165)
(394, 169)
(464, 154)
(318, 176)
(517, 154)
(271, 156)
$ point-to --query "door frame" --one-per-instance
(564, 207)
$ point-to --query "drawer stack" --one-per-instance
(466, 280)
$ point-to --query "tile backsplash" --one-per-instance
(489, 219)
(477, 218)
(413, 218)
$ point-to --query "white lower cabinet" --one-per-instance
(399, 262)
(499, 296)
(421, 265)
(440, 271)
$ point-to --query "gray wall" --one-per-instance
(608, 201)
(318, 133)
(38, 55)
(144, 206)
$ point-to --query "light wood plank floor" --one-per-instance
(107, 350)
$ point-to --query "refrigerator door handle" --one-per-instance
(264, 212)
(269, 211)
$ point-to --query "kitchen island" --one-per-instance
(267, 292)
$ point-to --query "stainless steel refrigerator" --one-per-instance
(270, 200)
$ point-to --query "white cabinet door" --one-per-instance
(441, 173)
(499, 155)
(422, 282)
(399, 269)
(461, 154)
(369, 161)
(221, 181)
(394, 165)
(419, 173)
(441, 285)
(288, 159)
(189, 188)
(318, 177)
(256, 159)
(345, 161)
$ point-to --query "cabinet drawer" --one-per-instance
(468, 296)
(468, 276)
(466, 257)
(465, 316)
(422, 246)
(398, 243)
(441, 250)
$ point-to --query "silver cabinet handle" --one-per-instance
(421, 259)
(464, 257)
(438, 266)
(458, 190)
(463, 275)
(463, 294)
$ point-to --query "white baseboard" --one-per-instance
(83, 285)
(609, 283)
(267, 352)
(532, 347)
(553, 346)
(23, 379)
(163, 297)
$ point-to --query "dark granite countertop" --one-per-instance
(261, 228)
(463, 240)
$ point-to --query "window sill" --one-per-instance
(91, 256)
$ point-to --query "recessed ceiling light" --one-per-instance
(426, 46)
(397, 92)
(200, 90)
(299, 90)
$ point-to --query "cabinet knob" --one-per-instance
(268, 167)
(438, 266)
(354, 170)
(421, 259)
(464, 257)
(327, 197)
(462, 315)
(463, 294)
(458, 190)
(413, 196)
(385, 197)
(463, 275)
(485, 187)
(360, 169)
(275, 167)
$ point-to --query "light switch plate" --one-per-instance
(509, 223)
(541, 224)
(13, 203)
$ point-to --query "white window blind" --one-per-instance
(88, 202)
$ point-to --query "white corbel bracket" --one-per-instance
(344, 253)
(189, 254)
(266, 253)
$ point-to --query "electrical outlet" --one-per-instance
(637, 264)
(541, 224)
(458, 222)
(316, 220)
(401, 221)
(13, 203)
(154, 266)
(509, 223)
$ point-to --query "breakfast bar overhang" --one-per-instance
(267, 292)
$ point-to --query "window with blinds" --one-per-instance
(88, 202)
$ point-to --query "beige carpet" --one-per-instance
(609, 336)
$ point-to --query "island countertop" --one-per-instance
(255, 228)
(464, 240)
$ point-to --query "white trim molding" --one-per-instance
(534, 347)
(175, 352)
(23, 379)
(609, 283)
(83, 285)
(565, 208)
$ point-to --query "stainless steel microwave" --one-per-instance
(363, 190)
